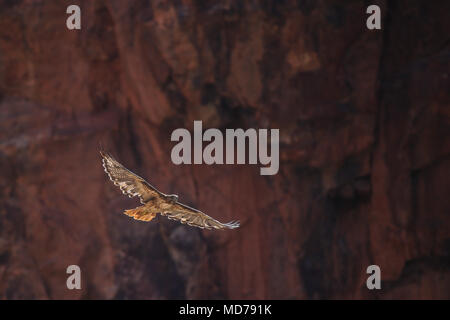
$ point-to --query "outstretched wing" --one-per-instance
(130, 183)
(196, 218)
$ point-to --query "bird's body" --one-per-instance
(154, 201)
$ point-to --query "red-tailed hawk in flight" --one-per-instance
(155, 201)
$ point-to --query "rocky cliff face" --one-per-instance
(364, 122)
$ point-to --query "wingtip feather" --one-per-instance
(232, 224)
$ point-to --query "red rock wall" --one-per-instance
(364, 124)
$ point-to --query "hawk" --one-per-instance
(155, 201)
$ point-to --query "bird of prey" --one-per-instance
(155, 201)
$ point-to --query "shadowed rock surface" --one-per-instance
(364, 120)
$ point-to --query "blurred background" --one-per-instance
(364, 123)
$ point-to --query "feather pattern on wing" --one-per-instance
(195, 218)
(129, 183)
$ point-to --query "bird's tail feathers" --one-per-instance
(140, 213)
